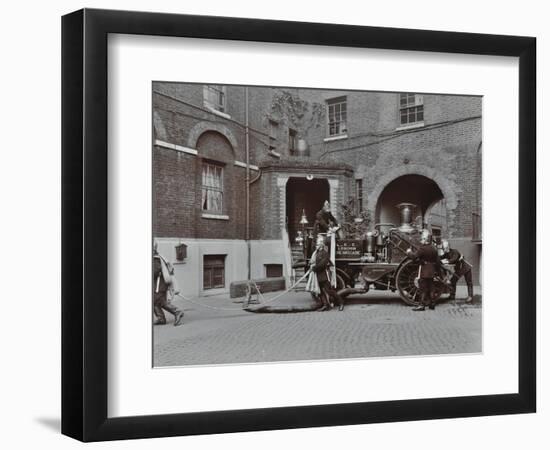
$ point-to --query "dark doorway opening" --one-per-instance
(304, 196)
(417, 189)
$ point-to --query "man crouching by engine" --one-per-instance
(462, 268)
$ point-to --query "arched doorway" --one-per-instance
(419, 190)
(304, 196)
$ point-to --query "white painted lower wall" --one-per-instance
(189, 273)
(472, 253)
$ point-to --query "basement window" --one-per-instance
(213, 271)
(273, 270)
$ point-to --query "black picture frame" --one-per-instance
(84, 224)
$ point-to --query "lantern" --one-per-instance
(181, 252)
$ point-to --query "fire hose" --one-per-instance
(249, 291)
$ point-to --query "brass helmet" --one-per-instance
(425, 236)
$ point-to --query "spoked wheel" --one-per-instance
(409, 292)
(439, 289)
(404, 282)
(340, 284)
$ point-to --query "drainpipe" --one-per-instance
(247, 181)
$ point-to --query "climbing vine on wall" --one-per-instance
(299, 113)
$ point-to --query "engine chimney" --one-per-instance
(406, 211)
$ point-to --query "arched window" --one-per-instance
(212, 188)
(217, 159)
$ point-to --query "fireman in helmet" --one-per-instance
(320, 277)
(324, 220)
(427, 257)
(462, 268)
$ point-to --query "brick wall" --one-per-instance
(177, 122)
(175, 196)
(447, 152)
(450, 149)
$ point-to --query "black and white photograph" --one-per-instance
(275, 225)
(301, 224)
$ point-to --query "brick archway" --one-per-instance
(445, 185)
(414, 169)
(202, 127)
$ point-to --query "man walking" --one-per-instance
(462, 268)
(162, 280)
(428, 260)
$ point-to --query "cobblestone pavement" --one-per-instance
(377, 324)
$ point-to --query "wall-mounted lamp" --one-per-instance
(181, 252)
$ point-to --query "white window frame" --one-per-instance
(220, 189)
(412, 106)
(210, 91)
(340, 124)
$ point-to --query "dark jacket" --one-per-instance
(427, 257)
(322, 263)
(157, 272)
(323, 220)
(455, 257)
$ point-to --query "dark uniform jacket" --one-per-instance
(323, 221)
(157, 272)
(455, 257)
(322, 263)
(427, 257)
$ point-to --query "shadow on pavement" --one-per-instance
(367, 299)
(53, 423)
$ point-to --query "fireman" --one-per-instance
(162, 281)
(427, 257)
(324, 220)
(462, 268)
(320, 263)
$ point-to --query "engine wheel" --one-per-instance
(409, 292)
(340, 283)
(404, 282)
(438, 289)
